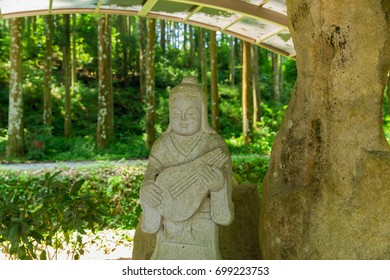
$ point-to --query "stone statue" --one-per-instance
(186, 192)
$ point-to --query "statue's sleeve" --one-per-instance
(151, 220)
(222, 208)
(153, 168)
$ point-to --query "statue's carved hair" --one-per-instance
(189, 87)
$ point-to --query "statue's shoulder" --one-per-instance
(216, 140)
(160, 141)
(159, 147)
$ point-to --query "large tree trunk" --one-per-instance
(47, 109)
(15, 143)
(150, 86)
(214, 81)
(326, 193)
(247, 99)
(67, 78)
(105, 127)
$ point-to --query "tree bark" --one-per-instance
(47, 108)
(232, 55)
(192, 47)
(150, 86)
(105, 127)
(203, 59)
(15, 144)
(276, 77)
(176, 35)
(185, 38)
(326, 192)
(142, 55)
(169, 34)
(214, 81)
(28, 26)
(256, 85)
(281, 77)
(67, 76)
(74, 55)
(199, 48)
(163, 35)
(247, 98)
(124, 45)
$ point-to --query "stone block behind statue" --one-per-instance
(186, 192)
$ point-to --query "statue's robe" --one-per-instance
(195, 237)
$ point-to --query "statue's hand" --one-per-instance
(151, 194)
(213, 178)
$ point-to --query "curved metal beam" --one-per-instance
(241, 7)
(146, 7)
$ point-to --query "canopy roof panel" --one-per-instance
(261, 22)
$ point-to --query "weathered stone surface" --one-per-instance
(186, 192)
(326, 193)
(237, 241)
(143, 244)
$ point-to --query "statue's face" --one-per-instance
(185, 115)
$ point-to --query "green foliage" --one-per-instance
(39, 210)
(129, 113)
(386, 128)
(249, 169)
(43, 147)
(264, 133)
(43, 210)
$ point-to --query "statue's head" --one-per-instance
(188, 108)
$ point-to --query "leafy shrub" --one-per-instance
(45, 211)
(38, 209)
(117, 188)
(249, 169)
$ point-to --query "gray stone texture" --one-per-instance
(186, 191)
(237, 241)
(326, 194)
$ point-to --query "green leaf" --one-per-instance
(14, 233)
(77, 186)
(43, 256)
(37, 236)
(47, 176)
(55, 174)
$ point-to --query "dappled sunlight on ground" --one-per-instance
(102, 245)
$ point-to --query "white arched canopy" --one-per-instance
(260, 22)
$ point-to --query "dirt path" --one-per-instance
(68, 164)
